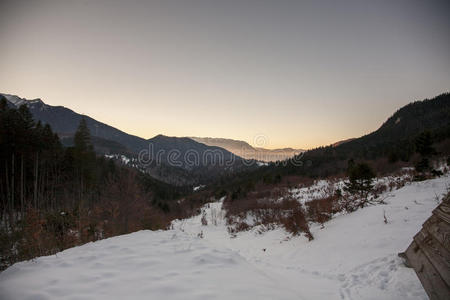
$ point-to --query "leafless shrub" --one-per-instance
(321, 210)
(295, 222)
(203, 220)
(379, 189)
(437, 198)
(216, 215)
(237, 227)
(266, 214)
(270, 206)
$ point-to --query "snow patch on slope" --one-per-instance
(324, 188)
(17, 101)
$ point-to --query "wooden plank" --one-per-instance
(438, 256)
(430, 278)
(443, 212)
(445, 207)
(439, 229)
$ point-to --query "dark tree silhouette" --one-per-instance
(360, 178)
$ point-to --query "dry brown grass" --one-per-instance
(273, 205)
(260, 209)
(321, 210)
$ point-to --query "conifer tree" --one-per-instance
(3, 104)
(82, 138)
(84, 157)
(424, 147)
(360, 179)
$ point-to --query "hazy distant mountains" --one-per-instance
(395, 138)
(108, 139)
(172, 159)
(244, 150)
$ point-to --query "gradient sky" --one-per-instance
(301, 73)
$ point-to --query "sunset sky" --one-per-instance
(300, 73)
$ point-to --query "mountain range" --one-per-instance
(244, 150)
(176, 160)
(108, 139)
(394, 138)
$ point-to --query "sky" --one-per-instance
(273, 73)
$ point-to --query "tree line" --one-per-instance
(55, 197)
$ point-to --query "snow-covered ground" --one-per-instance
(353, 257)
(125, 160)
(323, 188)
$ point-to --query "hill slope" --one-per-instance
(406, 123)
(394, 138)
(353, 257)
(174, 160)
(64, 121)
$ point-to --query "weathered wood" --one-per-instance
(443, 212)
(440, 230)
(429, 253)
(428, 275)
(438, 256)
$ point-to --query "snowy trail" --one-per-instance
(353, 257)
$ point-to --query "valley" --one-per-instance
(192, 149)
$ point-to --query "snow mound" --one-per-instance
(142, 265)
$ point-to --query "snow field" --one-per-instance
(354, 256)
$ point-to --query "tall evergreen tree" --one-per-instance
(424, 144)
(3, 103)
(82, 138)
(360, 179)
(424, 147)
(84, 156)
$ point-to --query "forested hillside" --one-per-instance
(171, 152)
(392, 146)
(54, 197)
(393, 142)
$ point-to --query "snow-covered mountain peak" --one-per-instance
(17, 101)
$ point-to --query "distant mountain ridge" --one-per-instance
(244, 150)
(342, 142)
(394, 139)
(184, 159)
(64, 121)
(404, 125)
